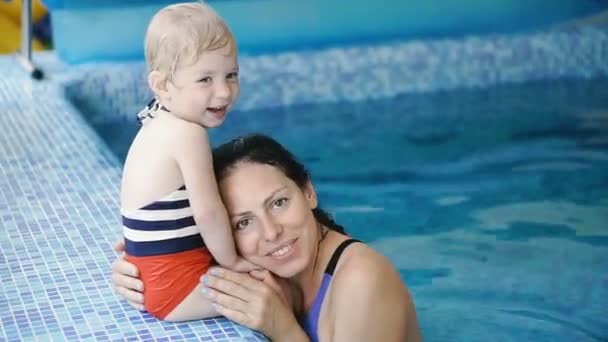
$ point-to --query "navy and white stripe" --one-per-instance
(164, 227)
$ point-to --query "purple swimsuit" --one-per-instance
(311, 321)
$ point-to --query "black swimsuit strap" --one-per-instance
(336, 256)
(148, 111)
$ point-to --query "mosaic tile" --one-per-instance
(367, 72)
(58, 222)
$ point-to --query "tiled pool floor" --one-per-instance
(58, 218)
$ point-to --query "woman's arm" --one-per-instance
(255, 300)
(378, 308)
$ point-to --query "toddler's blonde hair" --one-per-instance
(178, 34)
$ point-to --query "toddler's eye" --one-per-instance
(205, 80)
(232, 75)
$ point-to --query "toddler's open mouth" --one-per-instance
(218, 112)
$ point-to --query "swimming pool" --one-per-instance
(493, 203)
(475, 195)
(478, 166)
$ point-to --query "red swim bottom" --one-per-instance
(170, 278)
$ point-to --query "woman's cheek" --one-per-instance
(246, 244)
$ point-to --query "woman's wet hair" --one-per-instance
(261, 149)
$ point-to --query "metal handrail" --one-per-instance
(24, 56)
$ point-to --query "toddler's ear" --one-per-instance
(158, 83)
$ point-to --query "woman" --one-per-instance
(330, 287)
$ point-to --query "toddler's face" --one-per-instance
(204, 91)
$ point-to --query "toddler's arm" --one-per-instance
(193, 156)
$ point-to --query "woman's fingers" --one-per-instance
(235, 315)
(249, 299)
(241, 279)
(269, 279)
(128, 282)
(136, 306)
(225, 299)
(126, 285)
(260, 274)
(119, 246)
(135, 299)
(227, 286)
(123, 279)
(229, 299)
(121, 266)
(237, 310)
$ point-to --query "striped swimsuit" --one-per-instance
(165, 244)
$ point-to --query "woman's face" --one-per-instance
(271, 217)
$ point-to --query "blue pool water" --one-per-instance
(492, 203)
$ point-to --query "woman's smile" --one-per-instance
(284, 250)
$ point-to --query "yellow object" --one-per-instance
(10, 21)
(12, 9)
(11, 37)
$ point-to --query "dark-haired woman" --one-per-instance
(318, 283)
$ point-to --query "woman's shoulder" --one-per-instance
(367, 279)
(362, 265)
(366, 266)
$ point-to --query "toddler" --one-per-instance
(174, 222)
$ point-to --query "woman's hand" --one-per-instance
(244, 265)
(125, 281)
(257, 301)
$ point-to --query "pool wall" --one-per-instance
(365, 73)
(93, 30)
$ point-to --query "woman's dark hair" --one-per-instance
(261, 149)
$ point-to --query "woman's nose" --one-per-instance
(271, 229)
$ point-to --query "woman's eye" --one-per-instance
(205, 80)
(281, 202)
(242, 224)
